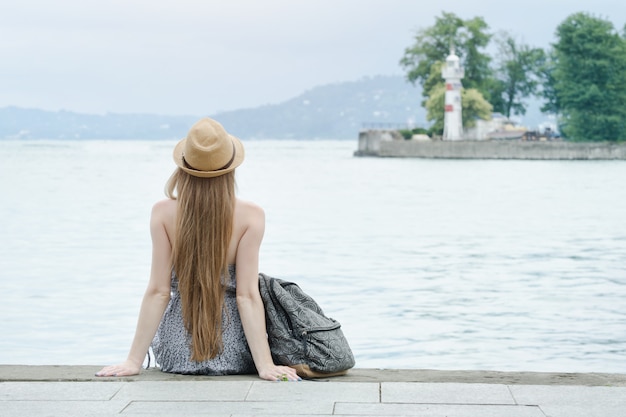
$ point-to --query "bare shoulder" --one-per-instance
(249, 214)
(249, 209)
(248, 231)
(164, 209)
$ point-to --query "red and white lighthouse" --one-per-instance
(452, 73)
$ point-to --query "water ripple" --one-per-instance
(506, 265)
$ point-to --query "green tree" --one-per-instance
(546, 74)
(474, 106)
(432, 46)
(587, 80)
(435, 108)
(517, 75)
(434, 80)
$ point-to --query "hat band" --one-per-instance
(228, 164)
(232, 158)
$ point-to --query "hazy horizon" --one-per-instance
(191, 58)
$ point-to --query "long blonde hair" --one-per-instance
(204, 222)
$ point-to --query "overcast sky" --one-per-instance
(200, 57)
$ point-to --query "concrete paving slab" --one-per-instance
(186, 408)
(436, 410)
(570, 401)
(175, 415)
(580, 396)
(269, 415)
(183, 390)
(130, 414)
(445, 393)
(58, 391)
(590, 410)
(309, 391)
(60, 408)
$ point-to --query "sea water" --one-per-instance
(440, 264)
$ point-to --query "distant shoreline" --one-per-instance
(378, 143)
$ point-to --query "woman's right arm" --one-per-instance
(249, 302)
(155, 299)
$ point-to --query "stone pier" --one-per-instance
(388, 143)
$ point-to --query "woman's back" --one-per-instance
(171, 344)
(246, 215)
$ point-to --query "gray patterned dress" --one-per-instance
(171, 344)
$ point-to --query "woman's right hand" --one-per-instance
(127, 368)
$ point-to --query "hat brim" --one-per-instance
(237, 160)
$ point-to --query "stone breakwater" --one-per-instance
(383, 143)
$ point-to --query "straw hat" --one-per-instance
(208, 150)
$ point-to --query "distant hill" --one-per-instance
(18, 123)
(334, 111)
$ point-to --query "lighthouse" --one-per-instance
(452, 73)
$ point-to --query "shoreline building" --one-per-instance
(452, 73)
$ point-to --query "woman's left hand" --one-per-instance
(279, 373)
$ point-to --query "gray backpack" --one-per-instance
(299, 333)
